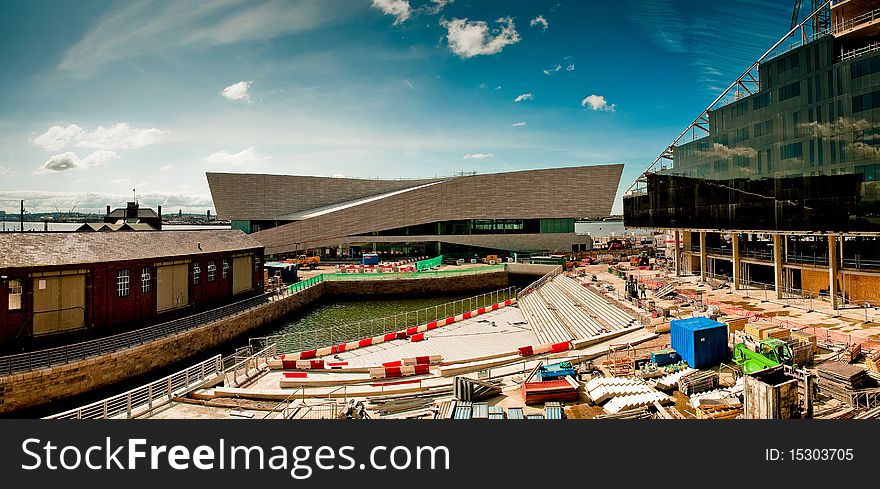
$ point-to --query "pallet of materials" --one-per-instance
(553, 410)
(565, 389)
(496, 412)
(734, 323)
(802, 351)
(700, 381)
(806, 337)
(515, 413)
(670, 381)
(757, 330)
(721, 411)
(638, 413)
(839, 380)
(872, 363)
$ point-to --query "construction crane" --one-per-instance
(821, 21)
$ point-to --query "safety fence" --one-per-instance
(429, 263)
(144, 399)
(339, 333)
(61, 355)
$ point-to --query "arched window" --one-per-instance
(15, 290)
(197, 273)
(212, 270)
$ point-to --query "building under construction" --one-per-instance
(777, 182)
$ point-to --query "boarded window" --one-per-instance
(15, 290)
(242, 274)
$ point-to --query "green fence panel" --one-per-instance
(429, 263)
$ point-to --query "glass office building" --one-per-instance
(787, 177)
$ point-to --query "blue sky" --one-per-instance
(99, 97)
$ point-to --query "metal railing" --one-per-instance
(719, 251)
(802, 259)
(858, 263)
(850, 23)
(538, 283)
(35, 360)
(404, 275)
(333, 334)
(245, 369)
(756, 254)
(144, 399)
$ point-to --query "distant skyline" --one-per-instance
(99, 97)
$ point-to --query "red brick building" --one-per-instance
(66, 283)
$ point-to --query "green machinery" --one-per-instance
(768, 353)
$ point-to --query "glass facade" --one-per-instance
(801, 154)
(483, 226)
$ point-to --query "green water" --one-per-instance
(347, 320)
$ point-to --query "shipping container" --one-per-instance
(700, 341)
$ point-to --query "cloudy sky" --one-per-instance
(99, 97)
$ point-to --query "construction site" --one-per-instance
(609, 341)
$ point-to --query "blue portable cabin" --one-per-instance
(370, 259)
(700, 341)
(287, 271)
(555, 371)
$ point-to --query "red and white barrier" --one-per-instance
(410, 333)
(399, 371)
(527, 351)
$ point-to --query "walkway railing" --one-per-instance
(35, 360)
(146, 398)
(538, 283)
(338, 333)
(245, 369)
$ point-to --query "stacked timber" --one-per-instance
(873, 413)
(565, 389)
(719, 411)
(839, 380)
(757, 330)
(700, 381)
(408, 405)
(638, 413)
(778, 333)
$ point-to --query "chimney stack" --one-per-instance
(108, 210)
(160, 212)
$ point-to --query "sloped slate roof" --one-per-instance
(52, 249)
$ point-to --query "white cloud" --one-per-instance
(472, 38)
(6, 171)
(70, 160)
(720, 151)
(120, 181)
(550, 71)
(117, 136)
(478, 156)
(861, 149)
(518, 124)
(400, 9)
(247, 155)
(438, 6)
(539, 21)
(166, 167)
(409, 84)
(524, 96)
(147, 28)
(570, 67)
(57, 137)
(120, 136)
(237, 91)
(598, 102)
